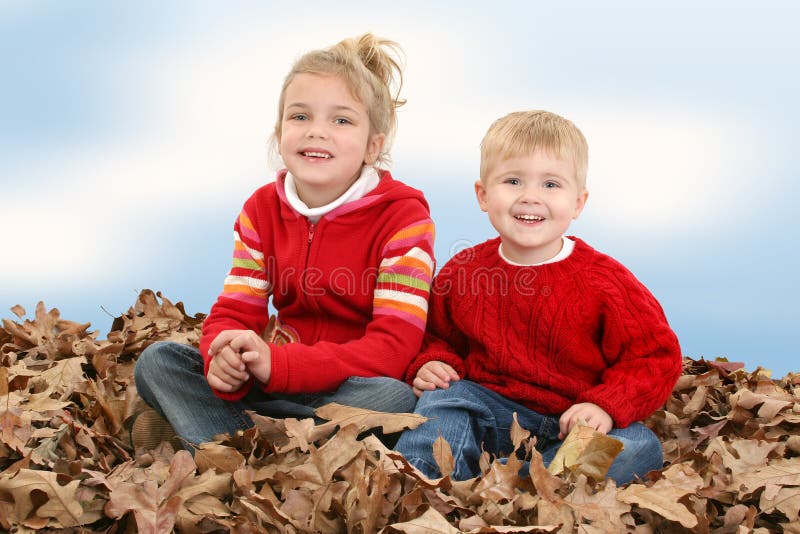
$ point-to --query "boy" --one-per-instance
(537, 323)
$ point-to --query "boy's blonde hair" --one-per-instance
(522, 132)
(369, 67)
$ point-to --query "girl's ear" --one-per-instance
(374, 147)
(480, 194)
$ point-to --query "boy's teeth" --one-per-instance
(316, 155)
(530, 217)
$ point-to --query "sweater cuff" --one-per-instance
(620, 412)
(450, 359)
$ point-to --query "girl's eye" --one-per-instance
(299, 117)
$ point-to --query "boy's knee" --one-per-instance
(642, 452)
(458, 392)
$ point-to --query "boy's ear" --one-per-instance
(580, 203)
(374, 147)
(480, 194)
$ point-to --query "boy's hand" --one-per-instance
(592, 414)
(432, 375)
(252, 351)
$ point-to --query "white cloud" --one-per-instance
(665, 171)
(207, 134)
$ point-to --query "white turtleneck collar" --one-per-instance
(365, 183)
(566, 249)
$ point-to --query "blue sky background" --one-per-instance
(130, 135)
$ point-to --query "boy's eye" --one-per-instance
(513, 181)
(342, 120)
(550, 184)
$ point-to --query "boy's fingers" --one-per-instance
(443, 373)
(452, 374)
(423, 385)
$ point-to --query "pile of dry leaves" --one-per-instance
(66, 398)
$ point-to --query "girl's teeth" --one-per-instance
(316, 155)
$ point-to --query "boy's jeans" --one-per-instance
(169, 377)
(468, 415)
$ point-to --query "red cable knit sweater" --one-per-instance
(583, 329)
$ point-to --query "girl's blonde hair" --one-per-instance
(369, 66)
(522, 132)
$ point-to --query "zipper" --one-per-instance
(310, 301)
(311, 230)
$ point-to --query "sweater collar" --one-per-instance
(387, 189)
(567, 246)
(365, 183)
(581, 257)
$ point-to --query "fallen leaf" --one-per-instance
(781, 472)
(430, 522)
(221, 458)
(663, 496)
(586, 451)
(443, 456)
(339, 415)
(60, 505)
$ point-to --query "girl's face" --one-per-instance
(325, 137)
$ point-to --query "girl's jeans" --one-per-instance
(467, 415)
(169, 377)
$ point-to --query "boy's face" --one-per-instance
(531, 201)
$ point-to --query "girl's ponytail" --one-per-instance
(382, 57)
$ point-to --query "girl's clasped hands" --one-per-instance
(236, 355)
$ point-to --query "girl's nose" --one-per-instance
(315, 129)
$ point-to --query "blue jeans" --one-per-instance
(169, 377)
(468, 415)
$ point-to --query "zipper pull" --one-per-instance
(311, 232)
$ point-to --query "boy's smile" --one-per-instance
(325, 137)
(531, 201)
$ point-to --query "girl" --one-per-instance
(344, 250)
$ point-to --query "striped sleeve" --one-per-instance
(404, 275)
(247, 280)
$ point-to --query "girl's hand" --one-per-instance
(227, 372)
(592, 414)
(253, 352)
(432, 375)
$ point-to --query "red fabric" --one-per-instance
(583, 329)
(322, 288)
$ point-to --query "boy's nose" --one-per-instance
(529, 195)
